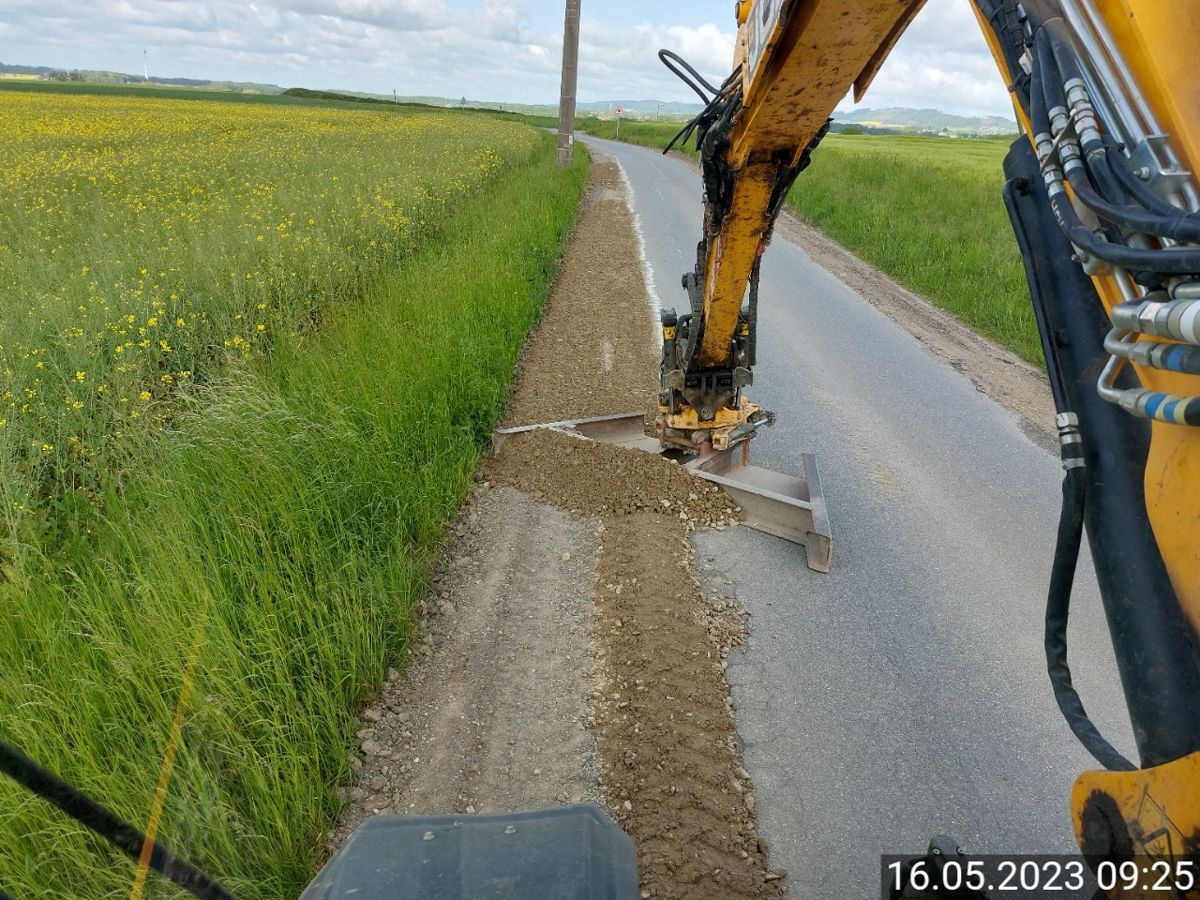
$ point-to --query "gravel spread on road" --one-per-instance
(596, 342)
(602, 479)
(663, 720)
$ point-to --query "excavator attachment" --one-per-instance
(786, 506)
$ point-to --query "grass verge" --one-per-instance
(300, 499)
(927, 211)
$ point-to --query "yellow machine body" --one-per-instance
(797, 59)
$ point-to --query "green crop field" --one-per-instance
(248, 358)
(927, 211)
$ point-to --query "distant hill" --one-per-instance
(890, 120)
(634, 109)
(925, 121)
(894, 120)
(95, 76)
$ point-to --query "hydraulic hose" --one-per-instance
(1119, 166)
(1060, 45)
(1182, 358)
(673, 60)
(1179, 227)
(1070, 523)
(1047, 73)
(1172, 261)
(1058, 605)
(1109, 169)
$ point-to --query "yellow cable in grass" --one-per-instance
(168, 763)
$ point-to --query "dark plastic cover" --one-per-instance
(569, 852)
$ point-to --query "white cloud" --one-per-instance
(400, 15)
(493, 50)
(942, 63)
(622, 63)
(501, 20)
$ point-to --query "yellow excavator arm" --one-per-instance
(1107, 215)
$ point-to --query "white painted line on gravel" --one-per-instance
(647, 269)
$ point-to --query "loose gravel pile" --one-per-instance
(596, 479)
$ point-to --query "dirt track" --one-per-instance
(570, 654)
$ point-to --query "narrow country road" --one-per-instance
(904, 693)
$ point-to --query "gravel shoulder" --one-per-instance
(566, 652)
(663, 721)
(491, 714)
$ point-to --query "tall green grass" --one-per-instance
(644, 134)
(303, 496)
(145, 242)
(925, 210)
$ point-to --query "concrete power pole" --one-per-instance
(570, 77)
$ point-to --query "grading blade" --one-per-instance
(786, 506)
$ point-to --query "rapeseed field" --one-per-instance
(145, 242)
(249, 356)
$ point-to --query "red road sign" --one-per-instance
(619, 111)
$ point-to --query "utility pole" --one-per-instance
(145, 67)
(570, 77)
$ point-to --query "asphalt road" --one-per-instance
(903, 694)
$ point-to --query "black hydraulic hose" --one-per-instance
(1039, 116)
(686, 131)
(1119, 166)
(1048, 75)
(669, 59)
(1060, 45)
(1046, 72)
(1051, 50)
(1132, 185)
(682, 134)
(1172, 261)
(1058, 604)
(1054, 370)
(1178, 227)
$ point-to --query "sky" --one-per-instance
(496, 50)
